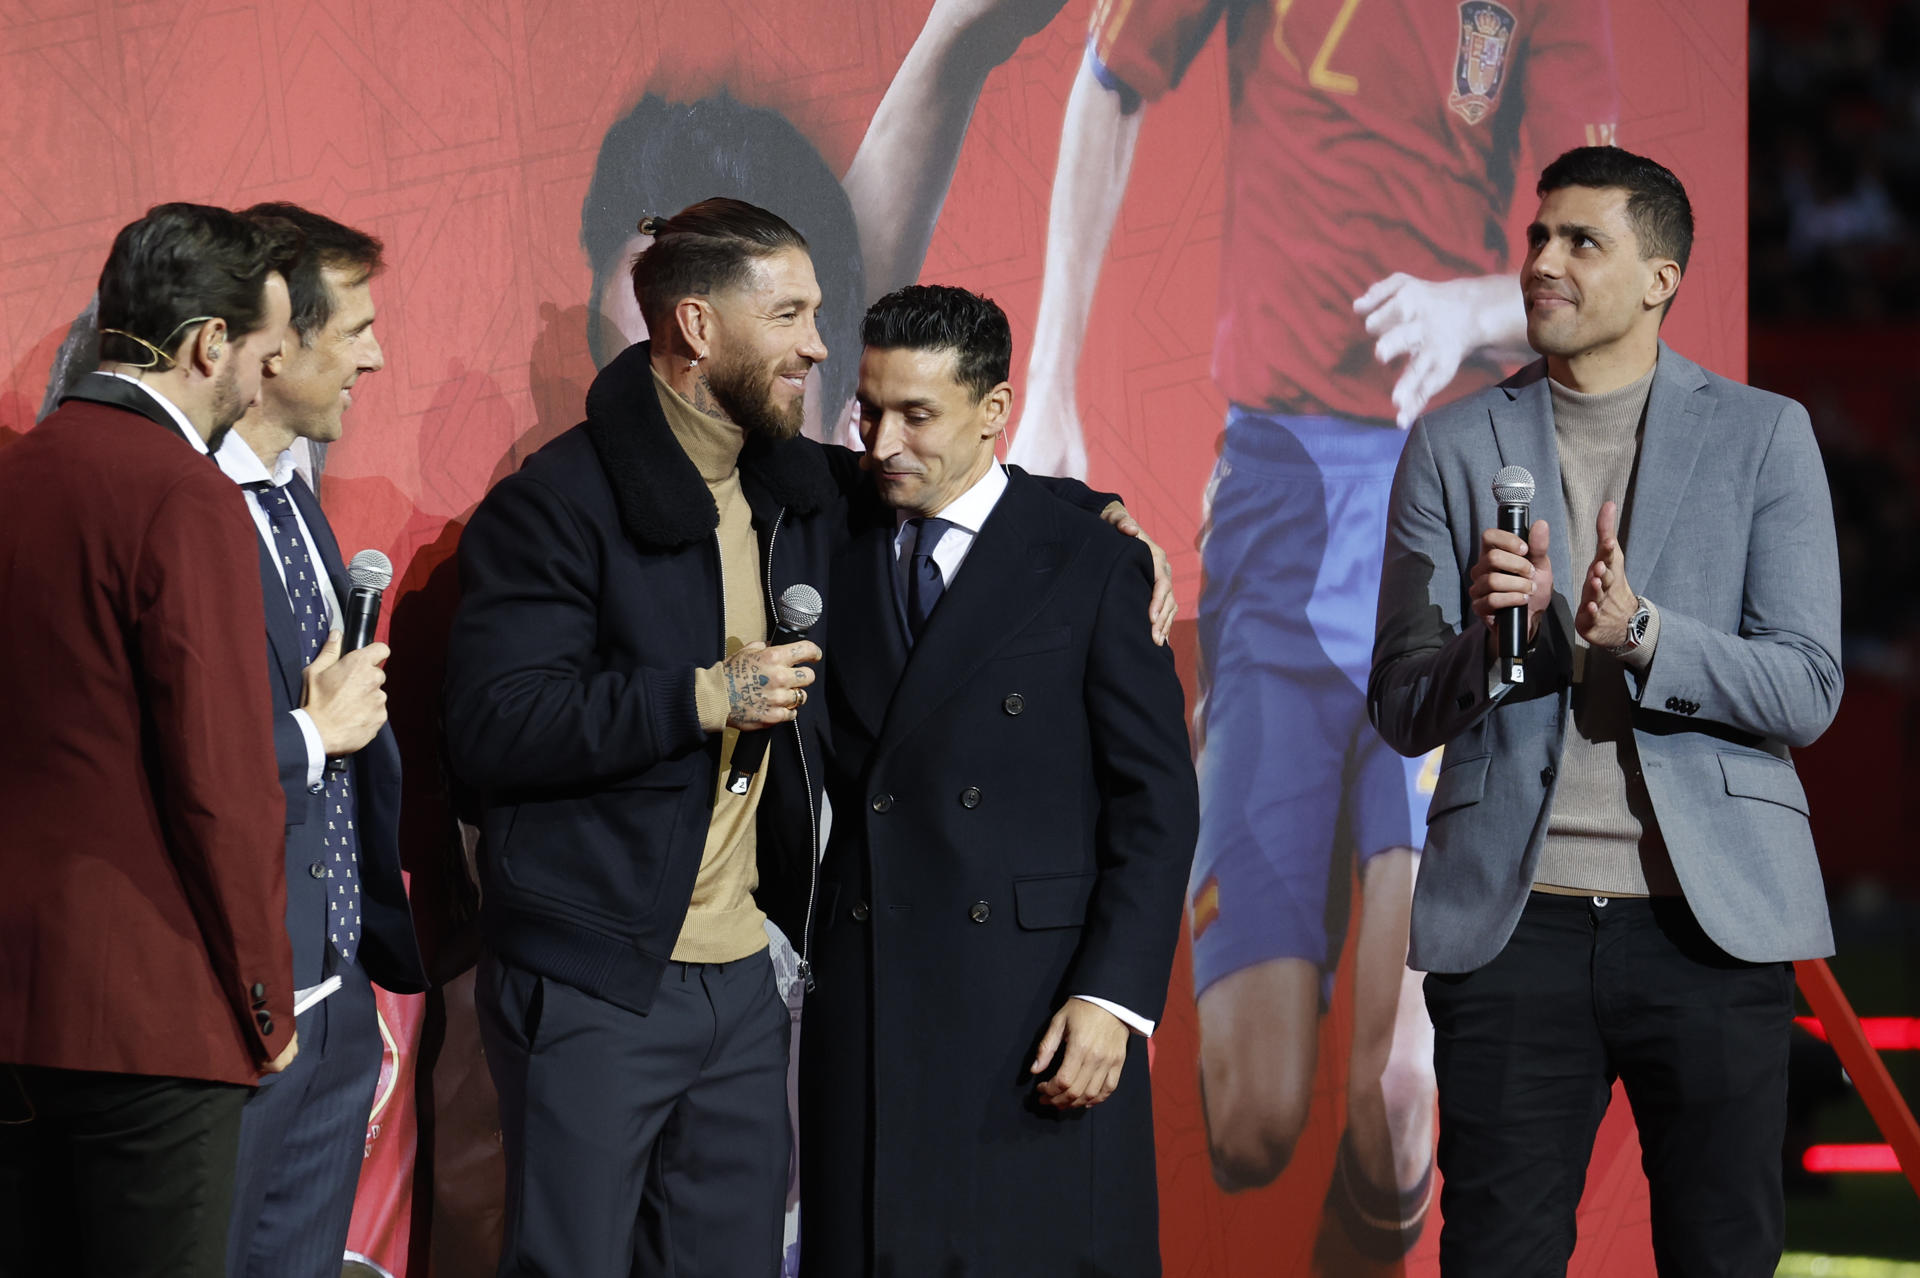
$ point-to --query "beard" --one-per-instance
(745, 391)
(227, 407)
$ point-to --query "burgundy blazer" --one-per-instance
(142, 890)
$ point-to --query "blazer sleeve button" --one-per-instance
(266, 1021)
(980, 911)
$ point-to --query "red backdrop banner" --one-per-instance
(504, 149)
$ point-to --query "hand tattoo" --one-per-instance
(746, 690)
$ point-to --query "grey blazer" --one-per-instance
(1729, 532)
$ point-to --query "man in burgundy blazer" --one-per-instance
(145, 976)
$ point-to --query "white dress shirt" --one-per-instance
(240, 464)
(968, 513)
(173, 410)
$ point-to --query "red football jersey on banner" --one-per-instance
(1368, 137)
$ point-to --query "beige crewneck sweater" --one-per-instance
(1602, 838)
(723, 923)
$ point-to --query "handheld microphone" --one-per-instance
(371, 573)
(1513, 489)
(797, 611)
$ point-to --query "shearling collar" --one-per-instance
(662, 500)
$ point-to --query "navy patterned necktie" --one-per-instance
(924, 583)
(310, 615)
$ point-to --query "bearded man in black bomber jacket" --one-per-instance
(606, 656)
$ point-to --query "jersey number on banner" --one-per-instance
(1320, 74)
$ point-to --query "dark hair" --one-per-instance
(940, 317)
(328, 246)
(664, 155)
(1657, 204)
(181, 261)
(705, 248)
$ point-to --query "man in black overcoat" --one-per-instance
(1015, 814)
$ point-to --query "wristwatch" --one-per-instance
(1636, 630)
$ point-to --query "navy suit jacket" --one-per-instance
(387, 948)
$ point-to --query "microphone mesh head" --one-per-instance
(799, 607)
(372, 569)
(1513, 486)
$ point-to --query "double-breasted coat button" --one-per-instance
(980, 911)
(266, 1021)
(860, 911)
(970, 797)
(1014, 703)
(318, 870)
(883, 803)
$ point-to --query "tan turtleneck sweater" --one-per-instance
(723, 923)
(1602, 839)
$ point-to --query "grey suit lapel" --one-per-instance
(1677, 415)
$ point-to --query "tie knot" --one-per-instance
(270, 493)
(927, 533)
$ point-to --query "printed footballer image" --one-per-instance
(1371, 167)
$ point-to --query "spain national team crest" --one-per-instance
(1486, 43)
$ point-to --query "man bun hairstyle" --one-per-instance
(1657, 204)
(704, 249)
(328, 245)
(940, 317)
(181, 262)
(664, 154)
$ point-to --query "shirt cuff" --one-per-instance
(1642, 655)
(710, 697)
(316, 752)
(1138, 1024)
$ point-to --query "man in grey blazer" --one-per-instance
(1618, 868)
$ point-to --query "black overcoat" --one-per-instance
(1014, 817)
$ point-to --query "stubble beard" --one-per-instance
(745, 393)
(227, 408)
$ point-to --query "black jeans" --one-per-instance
(116, 1175)
(1526, 1050)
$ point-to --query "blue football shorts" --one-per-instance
(1295, 785)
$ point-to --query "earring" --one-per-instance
(213, 351)
(694, 362)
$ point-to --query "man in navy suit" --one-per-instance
(302, 1139)
(1014, 818)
